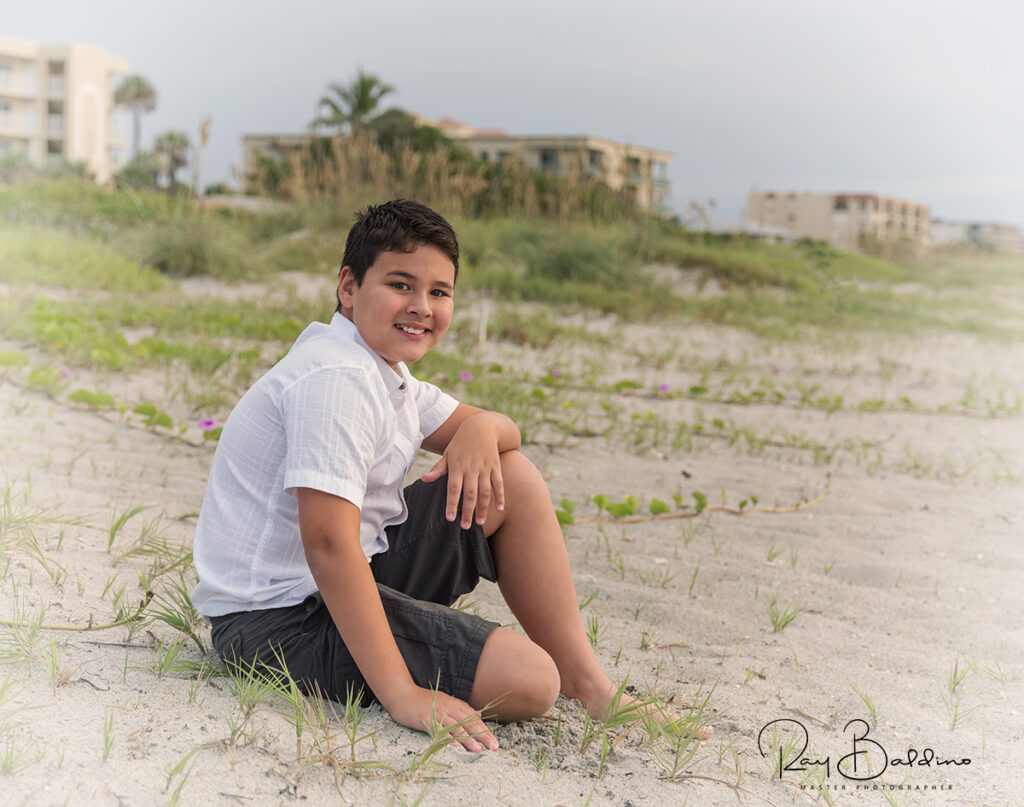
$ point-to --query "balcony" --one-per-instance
(17, 125)
(55, 85)
(15, 85)
(55, 125)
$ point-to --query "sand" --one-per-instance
(908, 568)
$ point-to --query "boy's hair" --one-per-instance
(400, 225)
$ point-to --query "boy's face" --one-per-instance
(404, 305)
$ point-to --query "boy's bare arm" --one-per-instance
(470, 443)
(329, 526)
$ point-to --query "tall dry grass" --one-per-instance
(347, 172)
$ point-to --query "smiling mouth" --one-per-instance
(411, 330)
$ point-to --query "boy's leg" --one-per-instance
(536, 581)
(433, 560)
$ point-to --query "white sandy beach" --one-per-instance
(908, 567)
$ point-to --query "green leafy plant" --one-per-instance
(781, 618)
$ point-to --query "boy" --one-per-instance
(309, 552)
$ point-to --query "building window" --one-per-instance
(548, 160)
(502, 156)
(839, 204)
(484, 156)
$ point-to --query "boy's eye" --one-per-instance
(439, 293)
(400, 285)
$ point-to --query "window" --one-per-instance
(484, 156)
(503, 155)
(548, 160)
(839, 204)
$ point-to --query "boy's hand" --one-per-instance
(430, 711)
(473, 465)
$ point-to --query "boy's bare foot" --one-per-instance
(604, 702)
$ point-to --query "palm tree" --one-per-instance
(352, 104)
(172, 147)
(136, 93)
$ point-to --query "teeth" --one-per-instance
(416, 331)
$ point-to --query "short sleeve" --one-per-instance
(331, 421)
(433, 405)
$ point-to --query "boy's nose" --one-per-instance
(419, 304)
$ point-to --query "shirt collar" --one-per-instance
(395, 382)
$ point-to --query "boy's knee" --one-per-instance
(538, 684)
(519, 675)
(517, 467)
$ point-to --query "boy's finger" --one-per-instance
(483, 502)
(468, 503)
(475, 736)
(454, 492)
(440, 469)
(498, 484)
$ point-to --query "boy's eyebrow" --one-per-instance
(410, 276)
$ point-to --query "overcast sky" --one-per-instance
(920, 99)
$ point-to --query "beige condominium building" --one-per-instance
(847, 220)
(986, 236)
(640, 171)
(57, 104)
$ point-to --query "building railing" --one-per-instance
(17, 124)
(55, 85)
(14, 84)
(55, 124)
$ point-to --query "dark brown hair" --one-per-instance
(396, 226)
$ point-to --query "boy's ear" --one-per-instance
(346, 286)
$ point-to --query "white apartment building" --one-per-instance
(57, 103)
(988, 236)
(847, 220)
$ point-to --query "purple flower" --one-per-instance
(441, 378)
(556, 373)
(465, 375)
(663, 387)
(65, 372)
(208, 424)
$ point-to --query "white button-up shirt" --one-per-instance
(332, 416)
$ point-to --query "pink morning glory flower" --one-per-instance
(465, 375)
(65, 372)
(556, 373)
(208, 424)
(663, 387)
